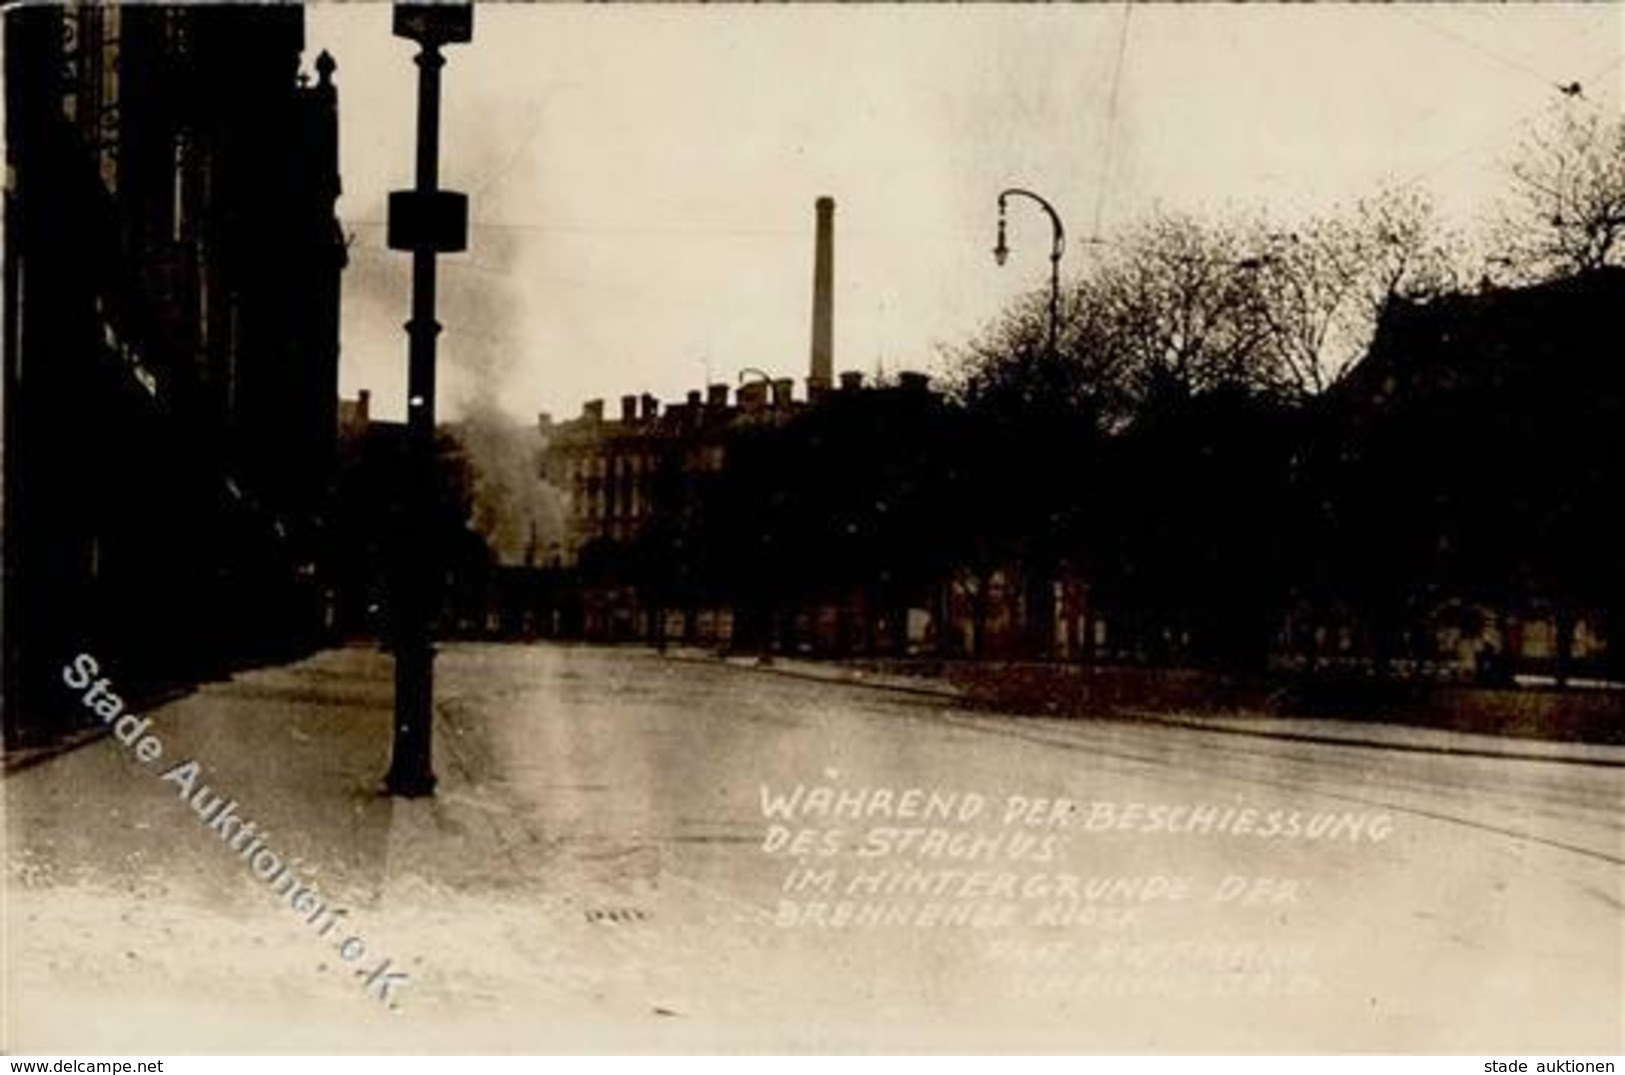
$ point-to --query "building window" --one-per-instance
(202, 305)
(72, 63)
(107, 105)
(90, 81)
(177, 215)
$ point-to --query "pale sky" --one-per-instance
(643, 178)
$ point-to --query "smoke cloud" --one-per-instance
(517, 513)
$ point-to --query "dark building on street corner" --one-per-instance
(1476, 453)
(171, 344)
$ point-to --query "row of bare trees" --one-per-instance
(1177, 305)
(1182, 450)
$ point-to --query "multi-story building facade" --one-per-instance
(171, 308)
(1490, 426)
(615, 476)
(664, 509)
(632, 492)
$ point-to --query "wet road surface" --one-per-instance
(630, 852)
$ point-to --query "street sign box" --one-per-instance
(428, 220)
(435, 24)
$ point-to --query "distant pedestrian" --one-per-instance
(1487, 666)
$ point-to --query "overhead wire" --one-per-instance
(1501, 130)
(1111, 123)
(1482, 50)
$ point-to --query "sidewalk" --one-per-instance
(120, 900)
(1374, 734)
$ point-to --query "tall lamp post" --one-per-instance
(1057, 248)
(427, 221)
(1040, 603)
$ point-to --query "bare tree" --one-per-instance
(1177, 306)
(1010, 366)
(1322, 285)
(1179, 309)
(1566, 212)
(1165, 310)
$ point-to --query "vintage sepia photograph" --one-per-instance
(813, 529)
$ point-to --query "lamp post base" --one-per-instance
(411, 770)
(415, 786)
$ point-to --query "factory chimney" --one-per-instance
(822, 374)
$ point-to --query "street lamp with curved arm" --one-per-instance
(1057, 248)
(757, 378)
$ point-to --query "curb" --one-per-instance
(1141, 716)
(1127, 716)
(16, 761)
(947, 693)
